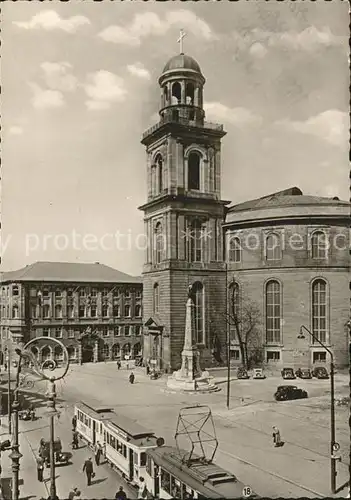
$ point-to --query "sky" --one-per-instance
(79, 87)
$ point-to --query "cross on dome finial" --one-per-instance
(180, 40)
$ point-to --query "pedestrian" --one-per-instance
(75, 441)
(118, 365)
(74, 423)
(89, 470)
(98, 453)
(142, 491)
(276, 437)
(40, 469)
(121, 494)
(131, 378)
(147, 370)
(73, 493)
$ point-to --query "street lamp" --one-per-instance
(333, 445)
(15, 455)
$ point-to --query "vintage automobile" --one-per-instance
(60, 456)
(286, 392)
(320, 372)
(242, 373)
(288, 374)
(303, 373)
(258, 374)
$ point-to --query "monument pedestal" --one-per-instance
(190, 377)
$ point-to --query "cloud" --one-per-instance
(331, 125)
(50, 20)
(15, 130)
(257, 41)
(139, 70)
(57, 76)
(258, 50)
(149, 23)
(104, 88)
(235, 116)
(46, 98)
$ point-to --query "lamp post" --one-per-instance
(8, 360)
(15, 455)
(333, 445)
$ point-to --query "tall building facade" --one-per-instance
(94, 310)
(285, 256)
(183, 216)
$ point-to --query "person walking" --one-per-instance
(142, 491)
(40, 469)
(121, 494)
(89, 470)
(98, 453)
(75, 440)
(74, 423)
(131, 378)
(73, 493)
(276, 437)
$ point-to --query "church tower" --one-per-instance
(183, 219)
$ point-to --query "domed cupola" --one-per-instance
(181, 85)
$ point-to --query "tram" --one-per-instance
(168, 476)
(168, 472)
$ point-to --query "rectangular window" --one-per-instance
(116, 331)
(15, 291)
(69, 292)
(319, 357)
(58, 333)
(127, 293)
(93, 292)
(105, 311)
(70, 333)
(138, 294)
(105, 331)
(165, 481)
(70, 311)
(81, 311)
(58, 294)
(93, 312)
(45, 294)
(116, 292)
(138, 311)
(127, 311)
(116, 311)
(142, 459)
(273, 356)
(127, 330)
(104, 292)
(235, 354)
(82, 292)
(45, 332)
(137, 330)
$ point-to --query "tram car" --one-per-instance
(126, 444)
(90, 422)
(168, 476)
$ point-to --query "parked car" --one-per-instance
(242, 373)
(258, 374)
(303, 373)
(286, 392)
(320, 372)
(288, 373)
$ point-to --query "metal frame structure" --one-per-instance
(193, 428)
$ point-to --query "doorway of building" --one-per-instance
(87, 353)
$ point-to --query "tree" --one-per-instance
(243, 317)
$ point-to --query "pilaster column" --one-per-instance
(96, 351)
(181, 237)
(182, 86)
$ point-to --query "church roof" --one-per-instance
(182, 61)
(289, 197)
(69, 272)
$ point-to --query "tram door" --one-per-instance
(156, 481)
(131, 464)
(94, 432)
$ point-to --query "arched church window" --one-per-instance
(189, 93)
(176, 93)
(195, 240)
(156, 298)
(158, 243)
(159, 169)
(194, 171)
(198, 294)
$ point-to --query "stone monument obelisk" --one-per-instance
(190, 377)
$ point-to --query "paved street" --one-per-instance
(300, 468)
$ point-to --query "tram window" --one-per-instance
(175, 488)
(135, 458)
(124, 450)
(142, 459)
(108, 438)
(165, 481)
(113, 442)
(100, 428)
(188, 493)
